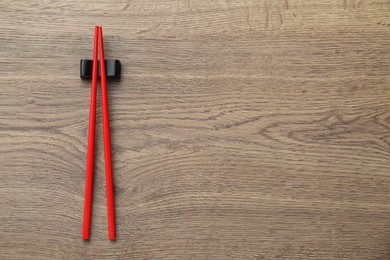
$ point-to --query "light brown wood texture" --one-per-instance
(251, 129)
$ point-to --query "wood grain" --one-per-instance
(251, 129)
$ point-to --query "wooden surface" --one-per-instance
(248, 129)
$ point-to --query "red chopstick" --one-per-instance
(91, 144)
(107, 143)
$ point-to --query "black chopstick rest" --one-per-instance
(113, 69)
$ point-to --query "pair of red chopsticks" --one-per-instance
(98, 42)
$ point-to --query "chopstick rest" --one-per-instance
(99, 48)
(113, 69)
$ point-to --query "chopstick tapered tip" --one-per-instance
(85, 236)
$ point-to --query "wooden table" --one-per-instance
(240, 129)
